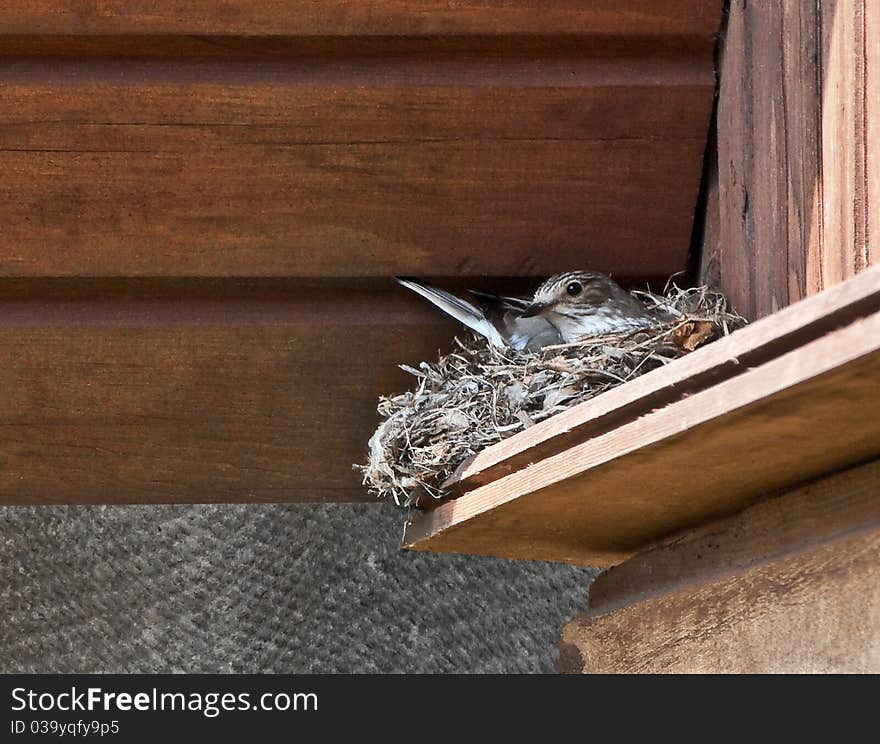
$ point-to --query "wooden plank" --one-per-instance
(788, 585)
(749, 347)
(802, 125)
(794, 141)
(347, 17)
(872, 132)
(734, 151)
(349, 166)
(780, 424)
(334, 50)
(197, 392)
(843, 131)
(768, 115)
(707, 263)
(767, 233)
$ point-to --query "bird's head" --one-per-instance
(583, 303)
(576, 293)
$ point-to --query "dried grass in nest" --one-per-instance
(478, 395)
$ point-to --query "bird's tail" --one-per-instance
(458, 308)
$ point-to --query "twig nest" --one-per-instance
(478, 395)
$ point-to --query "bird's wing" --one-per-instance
(521, 333)
(460, 309)
(508, 303)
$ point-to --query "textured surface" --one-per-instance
(235, 394)
(342, 160)
(354, 17)
(793, 200)
(158, 153)
(294, 588)
(788, 586)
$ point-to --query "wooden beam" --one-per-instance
(796, 191)
(347, 18)
(346, 161)
(791, 419)
(789, 585)
(122, 392)
(749, 347)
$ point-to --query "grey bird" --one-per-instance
(566, 308)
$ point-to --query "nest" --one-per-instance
(478, 395)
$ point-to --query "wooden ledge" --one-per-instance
(800, 414)
(756, 344)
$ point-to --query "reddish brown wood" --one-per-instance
(129, 393)
(797, 150)
(350, 166)
(360, 17)
(170, 144)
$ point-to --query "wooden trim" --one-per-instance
(754, 345)
(796, 186)
(788, 585)
(431, 162)
(791, 419)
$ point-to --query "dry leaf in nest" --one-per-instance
(478, 395)
(693, 333)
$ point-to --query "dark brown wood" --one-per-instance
(756, 344)
(200, 392)
(157, 153)
(791, 419)
(797, 151)
(788, 585)
(356, 17)
(437, 163)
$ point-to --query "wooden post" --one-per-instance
(794, 198)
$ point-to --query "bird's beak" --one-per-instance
(535, 309)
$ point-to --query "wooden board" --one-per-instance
(350, 160)
(201, 392)
(786, 421)
(359, 17)
(797, 187)
(175, 149)
(788, 585)
(753, 345)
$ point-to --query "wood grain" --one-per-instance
(788, 585)
(749, 347)
(447, 164)
(359, 17)
(797, 150)
(787, 421)
(158, 153)
(200, 392)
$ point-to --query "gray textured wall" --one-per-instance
(293, 588)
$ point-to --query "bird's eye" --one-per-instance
(574, 289)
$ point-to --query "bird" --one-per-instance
(566, 308)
